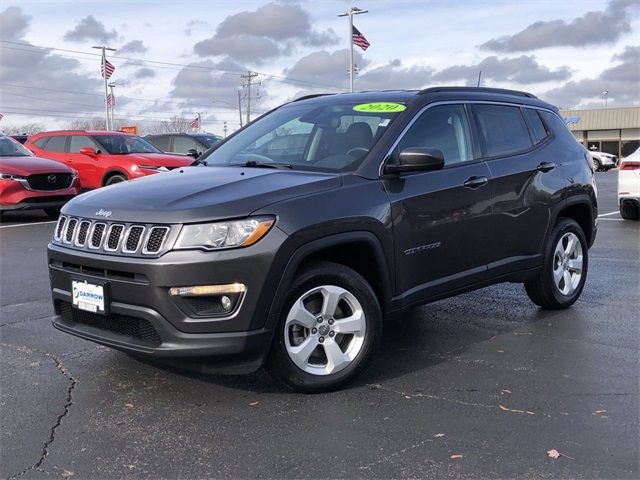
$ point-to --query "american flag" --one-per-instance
(1, 116)
(359, 40)
(111, 100)
(106, 66)
(195, 123)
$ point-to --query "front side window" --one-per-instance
(81, 141)
(502, 129)
(56, 144)
(444, 127)
(183, 144)
(318, 136)
(161, 142)
(125, 144)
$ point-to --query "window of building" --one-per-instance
(502, 129)
(443, 127)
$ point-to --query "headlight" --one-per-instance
(237, 233)
(11, 176)
(154, 167)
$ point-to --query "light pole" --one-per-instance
(240, 105)
(350, 14)
(104, 49)
(113, 104)
(605, 93)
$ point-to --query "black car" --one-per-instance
(22, 138)
(193, 144)
(397, 198)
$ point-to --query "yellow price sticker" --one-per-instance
(380, 107)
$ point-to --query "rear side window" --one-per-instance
(443, 127)
(502, 129)
(56, 144)
(536, 127)
(161, 143)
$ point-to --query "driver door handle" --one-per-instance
(546, 166)
(476, 182)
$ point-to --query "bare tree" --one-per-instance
(175, 124)
(94, 123)
(27, 128)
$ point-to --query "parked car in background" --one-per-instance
(104, 158)
(399, 198)
(193, 144)
(28, 182)
(20, 138)
(629, 186)
(603, 161)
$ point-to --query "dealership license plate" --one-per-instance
(88, 296)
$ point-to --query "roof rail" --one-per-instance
(476, 89)
(313, 95)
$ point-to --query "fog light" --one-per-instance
(204, 290)
(226, 302)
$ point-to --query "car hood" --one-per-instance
(602, 154)
(198, 194)
(24, 166)
(160, 159)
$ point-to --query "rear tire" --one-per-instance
(52, 212)
(311, 355)
(113, 179)
(564, 272)
(630, 212)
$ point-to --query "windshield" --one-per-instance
(124, 144)
(208, 140)
(330, 138)
(12, 148)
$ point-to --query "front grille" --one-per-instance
(49, 181)
(71, 227)
(100, 236)
(138, 328)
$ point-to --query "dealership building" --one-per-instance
(610, 130)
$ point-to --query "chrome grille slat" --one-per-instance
(126, 239)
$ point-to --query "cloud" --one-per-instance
(204, 82)
(622, 81)
(270, 31)
(194, 25)
(144, 72)
(134, 46)
(524, 69)
(592, 28)
(13, 23)
(90, 29)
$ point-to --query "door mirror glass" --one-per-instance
(91, 152)
(192, 152)
(417, 159)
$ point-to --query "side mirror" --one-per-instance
(192, 152)
(417, 159)
(88, 151)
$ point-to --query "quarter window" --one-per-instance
(502, 129)
(443, 127)
(536, 127)
(56, 144)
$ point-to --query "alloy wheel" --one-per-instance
(567, 263)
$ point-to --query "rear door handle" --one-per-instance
(476, 182)
(546, 166)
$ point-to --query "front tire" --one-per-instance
(597, 166)
(52, 212)
(113, 179)
(329, 326)
(564, 272)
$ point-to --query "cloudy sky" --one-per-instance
(176, 58)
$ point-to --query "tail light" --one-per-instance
(630, 166)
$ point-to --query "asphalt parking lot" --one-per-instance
(481, 385)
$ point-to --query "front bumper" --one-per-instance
(144, 319)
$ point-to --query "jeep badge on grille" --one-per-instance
(103, 213)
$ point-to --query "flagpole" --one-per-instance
(113, 104)
(350, 14)
(104, 49)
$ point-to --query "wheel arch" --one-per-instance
(581, 209)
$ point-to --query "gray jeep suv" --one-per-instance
(260, 257)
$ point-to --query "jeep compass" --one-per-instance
(260, 257)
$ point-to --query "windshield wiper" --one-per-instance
(254, 164)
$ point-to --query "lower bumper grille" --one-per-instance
(114, 322)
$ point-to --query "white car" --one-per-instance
(603, 161)
(629, 186)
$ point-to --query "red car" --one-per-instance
(28, 182)
(104, 158)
